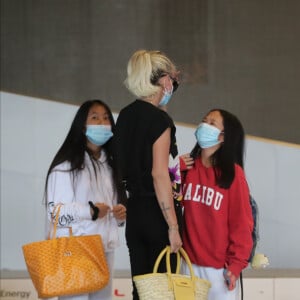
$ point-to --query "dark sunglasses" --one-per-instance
(159, 74)
(175, 84)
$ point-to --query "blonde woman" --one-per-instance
(147, 153)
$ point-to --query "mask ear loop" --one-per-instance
(168, 92)
(172, 87)
(223, 134)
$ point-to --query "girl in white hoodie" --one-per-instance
(83, 179)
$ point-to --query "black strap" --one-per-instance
(242, 288)
(95, 211)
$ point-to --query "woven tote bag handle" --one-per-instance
(182, 252)
(159, 258)
(188, 262)
(56, 222)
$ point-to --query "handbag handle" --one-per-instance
(181, 252)
(56, 222)
(159, 258)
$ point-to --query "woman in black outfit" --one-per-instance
(147, 154)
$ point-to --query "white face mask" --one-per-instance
(207, 135)
(98, 134)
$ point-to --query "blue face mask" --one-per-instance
(166, 97)
(98, 134)
(207, 135)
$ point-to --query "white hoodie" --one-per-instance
(74, 196)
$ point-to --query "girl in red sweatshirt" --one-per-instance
(217, 214)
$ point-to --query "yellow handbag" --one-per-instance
(66, 265)
(171, 286)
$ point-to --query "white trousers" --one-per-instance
(105, 293)
(218, 290)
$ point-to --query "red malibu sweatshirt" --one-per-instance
(217, 222)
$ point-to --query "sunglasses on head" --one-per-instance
(159, 74)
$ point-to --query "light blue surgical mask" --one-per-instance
(166, 97)
(207, 135)
(98, 134)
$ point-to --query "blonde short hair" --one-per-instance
(146, 66)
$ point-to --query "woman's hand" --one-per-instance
(188, 160)
(175, 240)
(119, 212)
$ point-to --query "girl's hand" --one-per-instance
(119, 212)
(230, 279)
(188, 160)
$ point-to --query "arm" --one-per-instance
(60, 191)
(163, 188)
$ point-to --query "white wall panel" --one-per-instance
(258, 289)
(33, 129)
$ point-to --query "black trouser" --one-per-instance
(146, 236)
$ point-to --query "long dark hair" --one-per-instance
(75, 145)
(231, 151)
